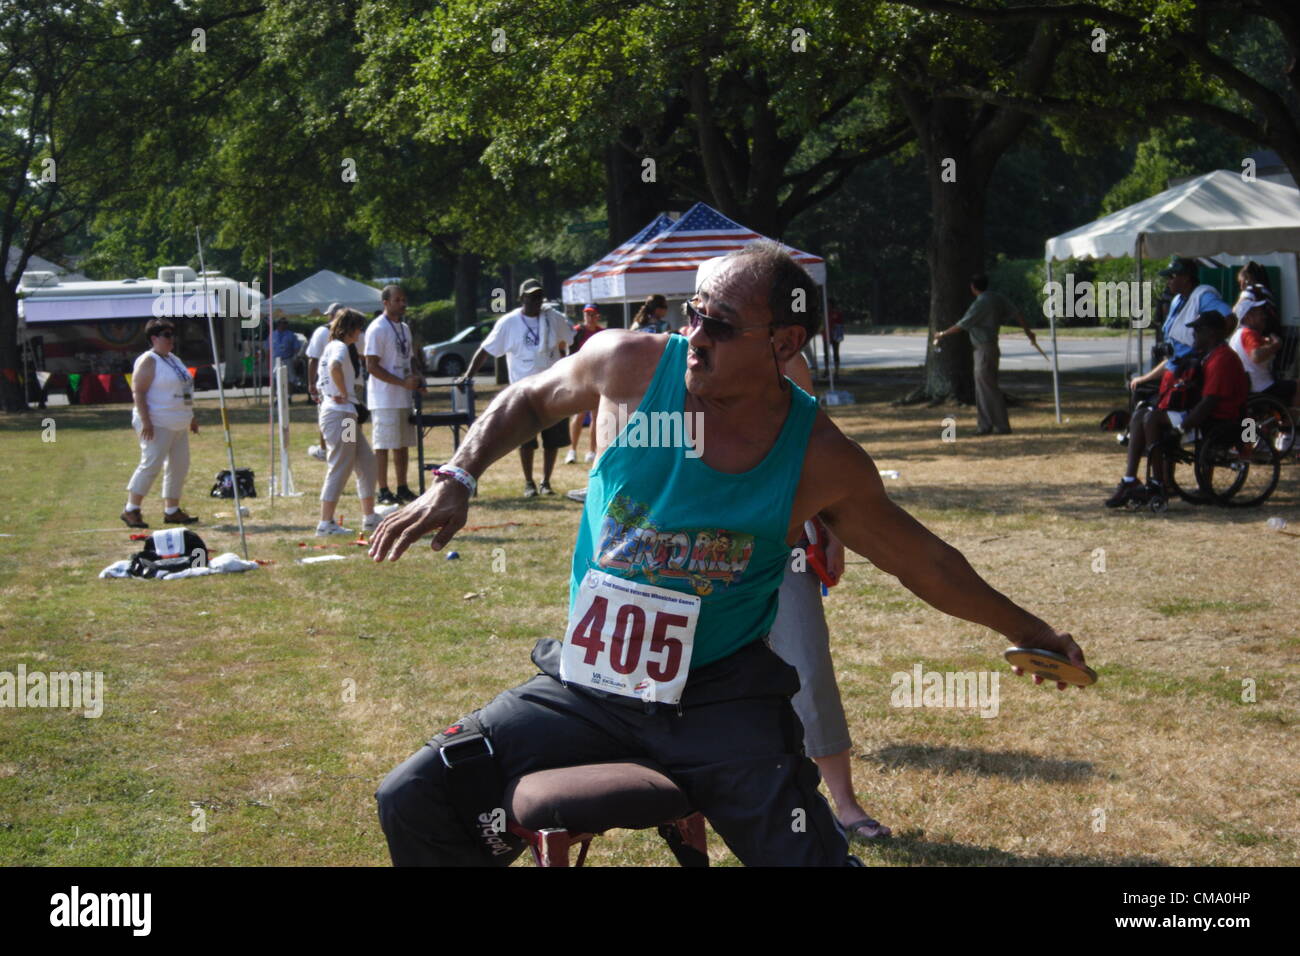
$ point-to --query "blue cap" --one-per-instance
(590, 307)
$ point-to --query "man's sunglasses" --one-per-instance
(716, 329)
(165, 334)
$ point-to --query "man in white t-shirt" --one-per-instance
(388, 393)
(532, 339)
(315, 349)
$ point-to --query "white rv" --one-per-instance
(97, 328)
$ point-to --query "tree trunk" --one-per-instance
(12, 398)
(955, 252)
(550, 277)
(466, 286)
(630, 201)
(955, 249)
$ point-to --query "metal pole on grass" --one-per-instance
(221, 396)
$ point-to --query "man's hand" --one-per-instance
(146, 431)
(414, 382)
(1047, 639)
(443, 508)
(194, 425)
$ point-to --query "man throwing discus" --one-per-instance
(678, 562)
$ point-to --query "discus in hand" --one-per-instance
(1049, 665)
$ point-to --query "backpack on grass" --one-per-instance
(224, 488)
(169, 550)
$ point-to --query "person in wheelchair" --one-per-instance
(1209, 386)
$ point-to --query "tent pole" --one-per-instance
(1056, 368)
(626, 319)
(270, 372)
(826, 338)
(1137, 258)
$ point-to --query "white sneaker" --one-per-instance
(577, 494)
(370, 522)
(570, 458)
(326, 528)
(591, 456)
(317, 452)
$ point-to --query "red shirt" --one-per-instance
(1225, 378)
(581, 334)
(1220, 374)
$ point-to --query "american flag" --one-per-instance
(667, 262)
(577, 288)
(703, 233)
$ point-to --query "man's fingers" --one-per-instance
(385, 535)
(447, 532)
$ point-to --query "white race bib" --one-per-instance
(630, 638)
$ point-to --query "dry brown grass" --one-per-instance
(225, 693)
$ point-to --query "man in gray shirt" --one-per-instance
(989, 311)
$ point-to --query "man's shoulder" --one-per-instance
(376, 324)
(625, 356)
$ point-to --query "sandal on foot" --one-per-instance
(866, 829)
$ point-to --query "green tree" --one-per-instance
(91, 94)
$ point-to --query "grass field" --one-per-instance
(232, 695)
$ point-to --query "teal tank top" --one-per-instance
(658, 516)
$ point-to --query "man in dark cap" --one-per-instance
(1209, 385)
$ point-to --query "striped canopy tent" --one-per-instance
(665, 262)
(577, 288)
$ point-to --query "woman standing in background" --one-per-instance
(163, 417)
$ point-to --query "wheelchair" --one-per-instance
(1232, 464)
(1273, 419)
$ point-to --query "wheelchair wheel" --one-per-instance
(1183, 480)
(1236, 473)
(1274, 421)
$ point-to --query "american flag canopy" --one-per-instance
(664, 259)
(577, 288)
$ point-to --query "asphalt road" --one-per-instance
(1105, 354)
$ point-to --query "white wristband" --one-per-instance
(461, 475)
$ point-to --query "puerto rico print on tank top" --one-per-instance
(659, 516)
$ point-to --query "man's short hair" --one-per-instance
(980, 282)
(388, 291)
(786, 278)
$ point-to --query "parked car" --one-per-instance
(451, 358)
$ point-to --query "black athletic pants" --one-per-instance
(735, 748)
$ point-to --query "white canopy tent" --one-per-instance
(318, 291)
(1218, 213)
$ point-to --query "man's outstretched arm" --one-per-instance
(868, 522)
(517, 414)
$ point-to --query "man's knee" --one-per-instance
(409, 796)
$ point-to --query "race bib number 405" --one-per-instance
(629, 638)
